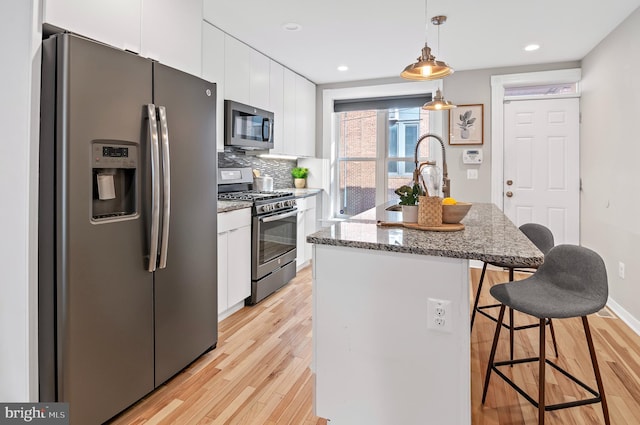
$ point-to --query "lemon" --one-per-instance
(449, 201)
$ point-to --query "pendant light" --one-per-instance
(438, 103)
(427, 67)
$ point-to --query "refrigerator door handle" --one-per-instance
(155, 187)
(166, 185)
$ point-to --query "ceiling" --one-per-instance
(378, 38)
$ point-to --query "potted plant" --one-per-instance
(466, 122)
(409, 201)
(300, 176)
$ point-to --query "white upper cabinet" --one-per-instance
(171, 33)
(259, 80)
(165, 30)
(237, 70)
(299, 115)
(276, 105)
(114, 22)
(289, 119)
(305, 117)
(213, 70)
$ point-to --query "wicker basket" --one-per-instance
(429, 211)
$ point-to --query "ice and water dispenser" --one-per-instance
(114, 168)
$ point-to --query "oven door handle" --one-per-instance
(277, 217)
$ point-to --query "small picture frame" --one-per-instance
(466, 125)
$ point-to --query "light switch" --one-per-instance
(472, 174)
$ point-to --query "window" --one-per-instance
(375, 149)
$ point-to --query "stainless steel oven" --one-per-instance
(273, 256)
(274, 230)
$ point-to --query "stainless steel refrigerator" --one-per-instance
(127, 228)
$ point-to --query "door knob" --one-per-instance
(509, 182)
(509, 194)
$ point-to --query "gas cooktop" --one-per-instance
(253, 195)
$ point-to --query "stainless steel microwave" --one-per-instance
(247, 127)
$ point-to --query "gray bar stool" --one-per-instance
(572, 282)
(542, 238)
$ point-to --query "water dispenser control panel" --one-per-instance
(114, 156)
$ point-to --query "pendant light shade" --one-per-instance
(438, 103)
(426, 67)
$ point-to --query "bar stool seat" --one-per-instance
(542, 238)
(572, 282)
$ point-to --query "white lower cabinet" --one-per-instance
(234, 260)
(306, 226)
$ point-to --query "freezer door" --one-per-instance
(102, 315)
(186, 289)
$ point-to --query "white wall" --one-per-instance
(19, 103)
(610, 148)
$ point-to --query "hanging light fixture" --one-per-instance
(427, 67)
(438, 103)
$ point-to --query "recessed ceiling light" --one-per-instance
(343, 68)
(532, 47)
(291, 26)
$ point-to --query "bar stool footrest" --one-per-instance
(506, 325)
(547, 408)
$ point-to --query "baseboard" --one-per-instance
(624, 315)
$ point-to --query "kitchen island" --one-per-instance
(391, 315)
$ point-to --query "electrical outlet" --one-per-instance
(621, 269)
(439, 315)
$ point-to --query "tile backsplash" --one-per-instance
(279, 169)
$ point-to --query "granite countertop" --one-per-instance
(226, 206)
(488, 236)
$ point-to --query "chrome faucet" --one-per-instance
(446, 183)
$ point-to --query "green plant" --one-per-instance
(409, 194)
(300, 172)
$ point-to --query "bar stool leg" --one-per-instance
(475, 302)
(596, 370)
(492, 356)
(511, 321)
(511, 334)
(553, 337)
(541, 372)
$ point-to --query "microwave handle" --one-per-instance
(267, 125)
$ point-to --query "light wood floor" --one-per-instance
(259, 373)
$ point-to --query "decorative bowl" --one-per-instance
(452, 214)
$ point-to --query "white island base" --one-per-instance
(377, 358)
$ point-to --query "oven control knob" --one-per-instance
(279, 205)
(291, 203)
(265, 208)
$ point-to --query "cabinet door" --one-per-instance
(289, 116)
(213, 70)
(223, 271)
(237, 70)
(259, 80)
(300, 242)
(276, 105)
(305, 117)
(115, 22)
(309, 228)
(239, 260)
(172, 33)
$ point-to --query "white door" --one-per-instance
(541, 165)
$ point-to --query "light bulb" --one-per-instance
(426, 71)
